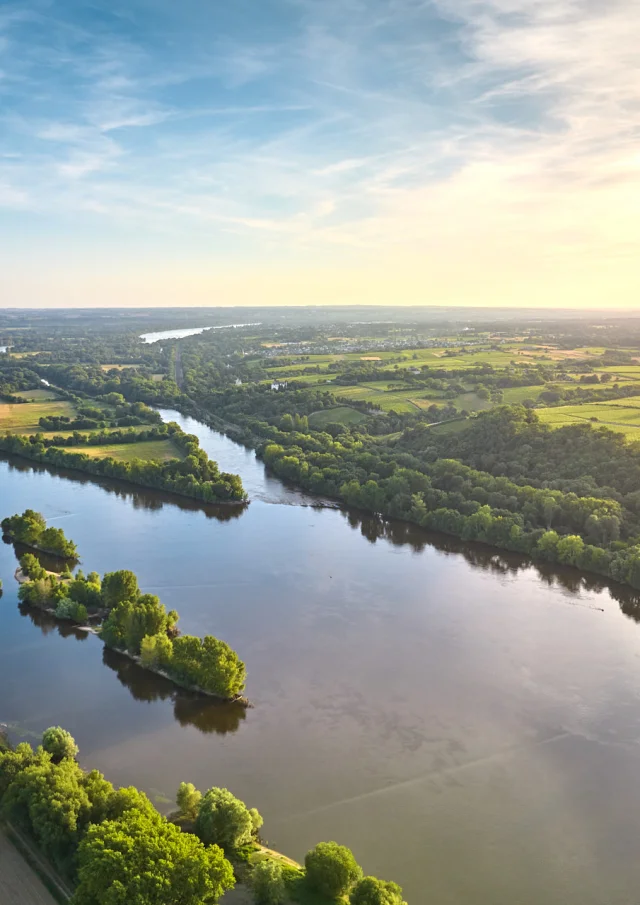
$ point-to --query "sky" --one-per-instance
(207, 152)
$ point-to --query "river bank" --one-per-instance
(445, 709)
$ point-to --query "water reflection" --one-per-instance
(498, 562)
(189, 709)
(139, 497)
(48, 624)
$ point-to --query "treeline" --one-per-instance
(592, 532)
(111, 845)
(137, 624)
(195, 476)
(30, 529)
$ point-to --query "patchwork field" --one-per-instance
(24, 418)
(619, 416)
(148, 450)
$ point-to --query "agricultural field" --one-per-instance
(37, 395)
(342, 414)
(116, 367)
(148, 450)
(623, 417)
(24, 418)
(19, 884)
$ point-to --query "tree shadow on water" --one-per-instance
(189, 709)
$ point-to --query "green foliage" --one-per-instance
(371, 891)
(267, 883)
(13, 762)
(71, 610)
(30, 528)
(224, 819)
(331, 869)
(156, 651)
(141, 859)
(59, 744)
(209, 664)
(118, 587)
(30, 566)
(188, 800)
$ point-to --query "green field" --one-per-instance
(342, 414)
(37, 395)
(148, 450)
(619, 416)
(24, 418)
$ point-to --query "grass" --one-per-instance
(342, 414)
(24, 418)
(116, 367)
(36, 395)
(148, 450)
(623, 417)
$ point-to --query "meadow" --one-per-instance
(341, 414)
(147, 450)
(24, 417)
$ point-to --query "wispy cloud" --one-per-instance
(349, 133)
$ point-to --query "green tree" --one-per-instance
(267, 883)
(142, 859)
(224, 819)
(371, 891)
(59, 743)
(118, 587)
(13, 762)
(332, 869)
(156, 651)
(188, 800)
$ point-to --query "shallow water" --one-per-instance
(469, 725)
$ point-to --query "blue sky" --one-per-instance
(292, 151)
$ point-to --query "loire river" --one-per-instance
(467, 725)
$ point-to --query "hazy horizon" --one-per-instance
(319, 152)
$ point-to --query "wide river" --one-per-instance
(469, 726)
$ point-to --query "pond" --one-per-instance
(467, 723)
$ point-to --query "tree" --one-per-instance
(224, 819)
(118, 587)
(142, 859)
(13, 762)
(156, 651)
(59, 744)
(267, 882)
(332, 869)
(371, 891)
(188, 800)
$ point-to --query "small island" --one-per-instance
(30, 529)
(129, 621)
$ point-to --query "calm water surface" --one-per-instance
(468, 725)
(181, 334)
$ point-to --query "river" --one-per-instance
(468, 725)
(189, 331)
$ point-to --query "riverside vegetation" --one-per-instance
(132, 622)
(501, 476)
(112, 847)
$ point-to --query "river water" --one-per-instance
(190, 331)
(468, 725)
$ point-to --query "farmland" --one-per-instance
(623, 417)
(23, 418)
(341, 414)
(149, 451)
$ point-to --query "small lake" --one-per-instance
(181, 334)
(467, 723)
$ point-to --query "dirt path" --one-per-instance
(19, 885)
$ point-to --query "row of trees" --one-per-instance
(114, 848)
(110, 844)
(30, 529)
(195, 476)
